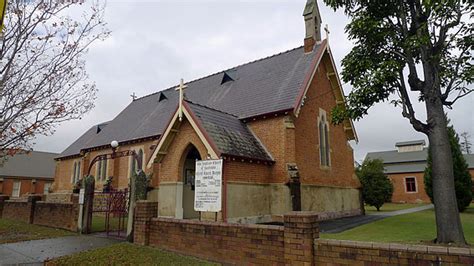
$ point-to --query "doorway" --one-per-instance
(189, 171)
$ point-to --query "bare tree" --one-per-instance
(466, 143)
(42, 67)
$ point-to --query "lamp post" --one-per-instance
(110, 156)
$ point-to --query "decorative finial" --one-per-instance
(134, 96)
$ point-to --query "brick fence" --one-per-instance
(58, 214)
(330, 252)
(34, 211)
(229, 243)
(20, 209)
(296, 242)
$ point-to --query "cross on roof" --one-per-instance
(181, 88)
(326, 29)
(134, 96)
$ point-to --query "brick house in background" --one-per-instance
(267, 119)
(27, 173)
(405, 167)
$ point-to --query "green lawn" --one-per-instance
(98, 223)
(127, 254)
(389, 207)
(15, 231)
(413, 228)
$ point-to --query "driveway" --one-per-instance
(37, 251)
(343, 224)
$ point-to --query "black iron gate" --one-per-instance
(110, 212)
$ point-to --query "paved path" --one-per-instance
(343, 224)
(36, 251)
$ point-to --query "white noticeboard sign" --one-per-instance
(208, 186)
(81, 196)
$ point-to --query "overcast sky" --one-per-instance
(155, 43)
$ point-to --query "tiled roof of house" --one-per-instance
(35, 164)
(230, 135)
(408, 162)
(394, 156)
(260, 87)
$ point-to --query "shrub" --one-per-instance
(376, 187)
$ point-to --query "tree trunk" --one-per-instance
(448, 222)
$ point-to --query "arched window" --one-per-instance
(133, 163)
(324, 149)
(76, 172)
(73, 174)
(101, 170)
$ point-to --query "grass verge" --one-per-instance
(15, 231)
(414, 228)
(127, 254)
(390, 207)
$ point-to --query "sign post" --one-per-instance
(208, 186)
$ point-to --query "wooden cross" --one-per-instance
(134, 96)
(181, 98)
(326, 29)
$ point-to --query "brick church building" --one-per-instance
(269, 120)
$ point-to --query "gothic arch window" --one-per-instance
(324, 149)
(76, 172)
(133, 163)
(73, 174)
(101, 170)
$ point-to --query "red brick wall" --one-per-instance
(26, 187)
(229, 243)
(399, 191)
(341, 172)
(52, 214)
(57, 215)
(336, 252)
(273, 133)
(238, 171)
(21, 210)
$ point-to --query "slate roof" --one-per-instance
(260, 87)
(84, 141)
(32, 164)
(408, 162)
(230, 135)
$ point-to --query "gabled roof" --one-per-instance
(230, 135)
(408, 162)
(221, 133)
(269, 85)
(35, 164)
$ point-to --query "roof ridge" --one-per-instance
(213, 109)
(210, 75)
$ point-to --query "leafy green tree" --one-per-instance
(376, 187)
(413, 50)
(462, 178)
